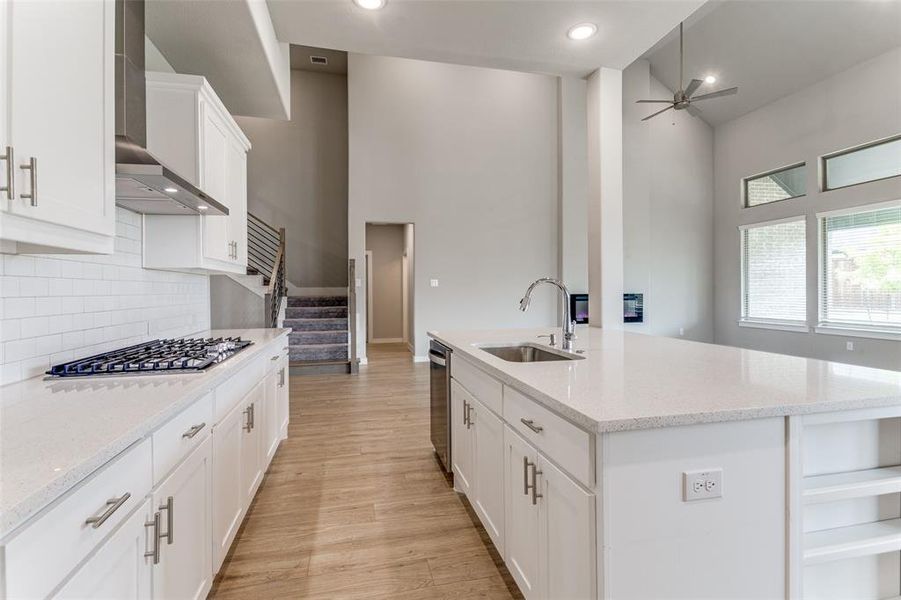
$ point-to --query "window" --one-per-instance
(774, 288)
(878, 160)
(781, 184)
(860, 282)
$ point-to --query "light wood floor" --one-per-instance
(354, 504)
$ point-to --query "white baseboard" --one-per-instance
(386, 340)
(363, 360)
(411, 348)
(420, 359)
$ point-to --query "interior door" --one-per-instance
(521, 517)
(461, 439)
(214, 148)
(61, 109)
(228, 492)
(488, 470)
(251, 446)
(185, 567)
(567, 535)
(119, 569)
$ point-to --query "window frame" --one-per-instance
(838, 327)
(822, 163)
(744, 185)
(799, 326)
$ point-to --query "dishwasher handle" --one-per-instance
(438, 359)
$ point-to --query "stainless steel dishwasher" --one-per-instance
(439, 375)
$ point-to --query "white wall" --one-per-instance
(56, 308)
(572, 166)
(667, 212)
(850, 108)
(386, 243)
(469, 156)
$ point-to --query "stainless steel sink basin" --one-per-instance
(529, 353)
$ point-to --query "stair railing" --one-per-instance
(266, 256)
(352, 313)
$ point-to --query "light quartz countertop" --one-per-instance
(636, 381)
(56, 432)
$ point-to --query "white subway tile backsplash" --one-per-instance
(58, 308)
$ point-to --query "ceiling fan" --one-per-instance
(683, 99)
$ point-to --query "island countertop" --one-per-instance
(635, 381)
(56, 432)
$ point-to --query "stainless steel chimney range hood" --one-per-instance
(143, 184)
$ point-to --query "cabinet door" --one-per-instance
(521, 529)
(270, 432)
(488, 471)
(228, 492)
(284, 398)
(185, 568)
(568, 564)
(214, 144)
(251, 446)
(61, 107)
(461, 439)
(119, 569)
(236, 198)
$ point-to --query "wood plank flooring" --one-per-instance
(354, 504)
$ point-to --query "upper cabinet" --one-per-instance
(189, 129)
(57, 126)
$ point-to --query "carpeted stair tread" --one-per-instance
(317, 324)
(309, 301)
(315, 312)
(317, 352)
(300, 338)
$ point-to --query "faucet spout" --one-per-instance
(568, 323)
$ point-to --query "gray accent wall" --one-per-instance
(854, 107)
(297, 177)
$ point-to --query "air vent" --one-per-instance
(319, 60)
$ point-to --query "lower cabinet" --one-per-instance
(270, 431)
(252, 455)
(284, 398)
(183, 502)
(522, 554)
(461, 441)
(228, 492)
(119, 568)
(487, 446)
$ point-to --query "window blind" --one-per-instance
(861, 261)
(774, 279)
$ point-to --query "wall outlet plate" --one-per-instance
(433, 282)
(702, 485)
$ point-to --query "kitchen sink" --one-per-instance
(529, 353)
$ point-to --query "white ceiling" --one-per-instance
(772, 49)
(508, 34)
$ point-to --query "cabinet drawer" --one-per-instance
(238, 386)
(174, 440)
(486, 389)
(40, 557)
(563, 442)
(274, 353)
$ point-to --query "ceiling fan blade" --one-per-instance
(719, 94)
(693, 111)
(694, 85)
(653, 101)
(657, 113)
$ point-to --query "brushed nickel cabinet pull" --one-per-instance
(281, 378)
(169, 507)
(193, 431)
(535, 474)
(10, 187)
(468, 415)
(525, 476)
(530, 423)
(32, 166)
(155, 552)
(253, 415)
(276, 357)
(113, 504)
(465, 414)
(248, 425)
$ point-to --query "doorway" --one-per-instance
(389, 284)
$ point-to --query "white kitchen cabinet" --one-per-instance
(184, 501)
(284, 397)
(461, 441)
(487, 500)
(64, 198)
(190, 130)
(270, 431)
(522, 520)
(228, 493)
(252, 466)
(119, 569)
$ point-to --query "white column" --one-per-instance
(572, 174)
(605, 198)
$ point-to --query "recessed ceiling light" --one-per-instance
(170, 190)
(370, 4)
(202, 207)
(710, 79)
(582, 31)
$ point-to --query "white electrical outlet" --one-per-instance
(433, 282)
(702, 485)
(849, 346)
(681, 331)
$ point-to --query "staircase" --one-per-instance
(319, 331)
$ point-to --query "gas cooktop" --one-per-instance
(186, 355)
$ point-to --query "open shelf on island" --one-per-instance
(851, 484)
(856, 540)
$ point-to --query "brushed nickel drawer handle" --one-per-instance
(276, 357)
(525, 476)
(155, 552)
(535, 474)
(32, 166)
(10, 187)
(113, 504)
(249, 424)
(169, 507)
(530, 423)
(193, 431)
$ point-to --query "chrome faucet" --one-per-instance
(568, 323)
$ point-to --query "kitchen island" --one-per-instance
(655, 467)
